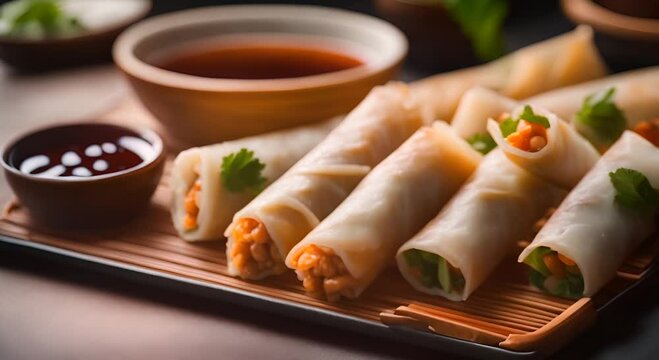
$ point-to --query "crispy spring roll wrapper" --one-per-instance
(564, 160)
(567, 59)
(277, 150)
(390, 205)
(637, 95)
(296, 203)
(590, 228)
(476, 106)
(496, 208)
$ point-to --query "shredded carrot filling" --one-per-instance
(323, 272)
(649, 130)
(528, 137)
(191, 207)
(253, 251)
(559, 265)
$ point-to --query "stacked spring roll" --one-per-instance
(456, 251)
(609, 213)
(476, 106)
(206, 193)
(346, 252)
(636, 93)
(263, 233)
(545, 145)
(600, 110)
(564, 60)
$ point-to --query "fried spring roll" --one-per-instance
(583, 244)
(349, 249)
(564, 60)
(262, 233)
(456, 251)
(546, 146)
(202, 206)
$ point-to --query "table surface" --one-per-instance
(56, 311)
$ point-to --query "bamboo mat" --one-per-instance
(504, 312)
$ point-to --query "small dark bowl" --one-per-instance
(625, 38)
(436, 41)
(89, 47)
(83, 202)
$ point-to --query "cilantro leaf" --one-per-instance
(599, 119)
(482, 142)
(36, 18)
(633, 189)
(482, 22)
(530, 116)
(508, 126)
(242, 171)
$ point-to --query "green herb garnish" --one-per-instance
(36, 19)
(242, 171)
(482, 142)
(600, 120)
(482, 22)
(508, 126)
(633, 189)
(530, 116)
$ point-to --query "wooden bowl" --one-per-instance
(82, 202)
(199, 110)
(88, 47)
(625, 41)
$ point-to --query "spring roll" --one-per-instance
(597, 226)
(564, 60)
(347, 251)
(456, 251)
(202, 205)
(476, 106)
(262, 233)
(546, 146)
(636, 93)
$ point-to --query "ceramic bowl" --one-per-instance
(626, 41)
(200, 110)
(92, 46)
(82, 202)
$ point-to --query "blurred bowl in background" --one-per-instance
(627, 39)
(105, 20)
(436, 41)
(198, 110)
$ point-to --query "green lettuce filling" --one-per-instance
(571, 286)
(434, 271)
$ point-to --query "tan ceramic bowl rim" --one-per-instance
(146, 133)
(84, 35)
(608, 21)
(126, 59)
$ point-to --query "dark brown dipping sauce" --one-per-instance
(80, 151)
(256, 61)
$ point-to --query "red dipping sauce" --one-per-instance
(252, 61)
(80, 151)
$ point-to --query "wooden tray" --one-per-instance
(505, 318)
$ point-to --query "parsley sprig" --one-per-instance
(509, 125)
(482, 22)
(600, 120)
(633, 189)
(482, 142)
(37, 18)
(242, 171)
